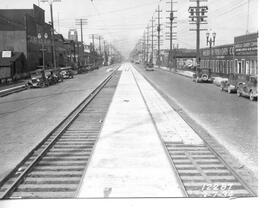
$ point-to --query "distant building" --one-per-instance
(73, 35)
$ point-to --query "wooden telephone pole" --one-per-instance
(198, 17)
(158, 30)
(172, 35)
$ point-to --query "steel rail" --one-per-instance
(182, 186)
(218, 156)
(71, 117)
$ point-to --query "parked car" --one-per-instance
(149, 67)
(37, 80)
(248, 88)
(230, 85)
(67, 74)
(202, 75)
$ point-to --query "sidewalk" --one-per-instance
(129, 159)
(6, 89)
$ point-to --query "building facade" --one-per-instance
(241, 57)
(219, 59)
(246, 54)
(19, 31)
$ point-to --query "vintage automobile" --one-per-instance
(149, 67)
(230, 85)
(202, 75)
(248, 87)
(37, 80)
(67, 74)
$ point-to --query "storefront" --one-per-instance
(246, 54)
(219, 59)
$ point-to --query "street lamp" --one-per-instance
(43, 37)
(210, 39)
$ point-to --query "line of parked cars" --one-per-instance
(243, 85)
(40, 78)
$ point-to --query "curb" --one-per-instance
(175, 73)
(12, 90)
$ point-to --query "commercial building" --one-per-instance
(25, 31)
(19, 30)
(241, 57)
(219, 59)
(246, 54)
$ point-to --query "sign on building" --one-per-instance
(6, 54)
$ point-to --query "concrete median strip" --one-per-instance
(171, 126)
(129, 160)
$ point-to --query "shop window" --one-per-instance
(243, 66)
(256, 67)
(239, 67)
(247, 68)
(236, 66)
(232, 67)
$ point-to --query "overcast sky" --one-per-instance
(122, 22)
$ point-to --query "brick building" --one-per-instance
(19, 30)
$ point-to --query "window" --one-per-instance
(228, 67)
(236, 66)
(256, 67)
(232, 67)
(223, 67)
(239, 67)
(247, 68)
(243, 66)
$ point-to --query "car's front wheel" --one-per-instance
(251, 96)
(238, 93)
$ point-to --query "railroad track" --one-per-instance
(54, 169)
(200, 170)
(203, 173)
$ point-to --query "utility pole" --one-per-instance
(81, 22)
(147, 43)
(248, 17)
(52, 29)
(198, 17)
(105, 54)
(93, 41)
(99, 44)
(152, 40)
(144, 49)
(158, 30)
(172, 35)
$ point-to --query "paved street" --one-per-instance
(27, 117)
(230, 119)
(122, 98)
